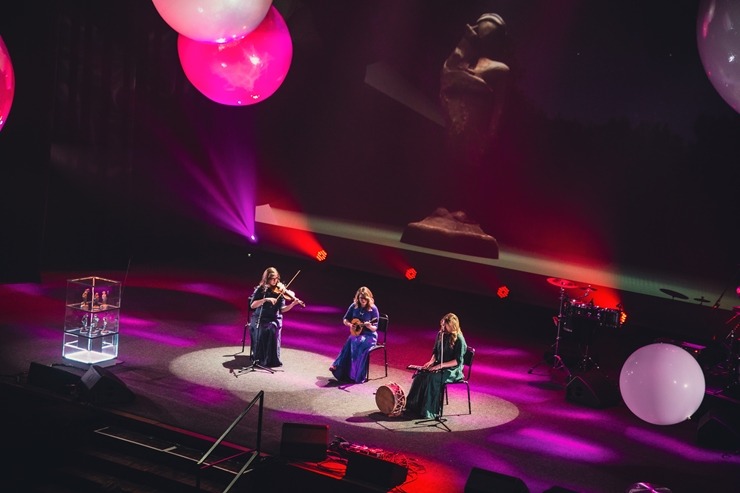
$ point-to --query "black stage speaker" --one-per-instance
(719, 429)
(54, 379)
(103, 387)
(304, 442)
(482, 481)
(592, 390)
(366, 469)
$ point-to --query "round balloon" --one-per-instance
(7, 83)
(662, 384)
(240, 72)
(217, 21)
(718, 40)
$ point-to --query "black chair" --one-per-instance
(467, 369)
(382, 338)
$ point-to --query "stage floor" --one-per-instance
(181, 348)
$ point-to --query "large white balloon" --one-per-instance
(215, 21)
(662, 384)
(718, 40)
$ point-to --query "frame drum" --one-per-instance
(390, 399)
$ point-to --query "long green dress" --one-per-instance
(425, 395)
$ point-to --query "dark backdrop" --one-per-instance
(614, 146)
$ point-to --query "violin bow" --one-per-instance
(285, 287)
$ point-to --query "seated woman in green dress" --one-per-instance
(444, 366)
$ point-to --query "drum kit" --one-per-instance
(580, 319)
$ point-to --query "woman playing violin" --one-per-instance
(268, 303)
(362, 320)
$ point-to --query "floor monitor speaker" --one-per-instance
(371, 470)
(103, 387)
(304, 442)
(53, 378)
(482, 481)
(592, 390)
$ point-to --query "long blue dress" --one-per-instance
(351, 364)
(425, 395)
(265, 328)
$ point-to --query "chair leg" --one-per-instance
(470, 407)
(385, 358)
(442, 399)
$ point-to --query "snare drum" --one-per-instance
(390, 399)
(584, 310)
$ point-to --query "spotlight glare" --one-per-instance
(503, 292)
(410, 273)
(321, 255)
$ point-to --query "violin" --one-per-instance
(282, 290)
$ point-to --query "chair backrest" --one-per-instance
(382, 328)
(468, 362)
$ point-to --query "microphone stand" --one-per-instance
(438, 419)
(255, 363)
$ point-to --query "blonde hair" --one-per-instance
(364, 292)
(455, 329)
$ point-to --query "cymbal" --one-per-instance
(701, 300)
(589, 288)
(562, 283)
(674, 294)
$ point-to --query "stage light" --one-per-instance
(502, 292)
(410, 273)
(321, 255)
(252, 238)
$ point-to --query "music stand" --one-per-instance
(438, 419)
(557, 361)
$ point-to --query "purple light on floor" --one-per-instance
(656, 440)
(541, 441)
(152, 333)
(208, 395)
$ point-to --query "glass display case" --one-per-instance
(91, 319)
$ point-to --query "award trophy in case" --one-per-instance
(91, 320)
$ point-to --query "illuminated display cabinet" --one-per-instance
(91, 319)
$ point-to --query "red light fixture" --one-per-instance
(502, 292)
(321, 255)
(410, 273)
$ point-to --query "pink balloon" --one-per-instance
(241, 72)
(217, 21)
(662, 384)
(718, 41)
(7, 83)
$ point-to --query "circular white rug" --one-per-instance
(304, 385)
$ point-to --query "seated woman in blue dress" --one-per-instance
(362, 320)
(425, 396)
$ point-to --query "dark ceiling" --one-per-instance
(613, 145)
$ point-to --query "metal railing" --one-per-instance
(203, 465)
